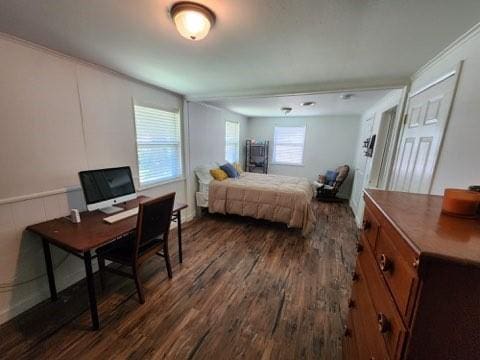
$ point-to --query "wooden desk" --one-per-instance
(81, 239)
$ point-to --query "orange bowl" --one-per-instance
(459, 202)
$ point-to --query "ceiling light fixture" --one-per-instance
(308, 103)
(193, 21)
(347, 96)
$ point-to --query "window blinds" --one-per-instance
(232, 141)
(288, 145)
(159, 145)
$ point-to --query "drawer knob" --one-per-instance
(386, 264)
(359, 247)
(416, 262)
(366, 225)
(383, 323)
(351, 303)
(355, 276)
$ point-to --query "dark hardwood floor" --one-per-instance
(247, 289)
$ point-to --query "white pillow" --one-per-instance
(203, 174)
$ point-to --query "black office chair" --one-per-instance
(153, 226)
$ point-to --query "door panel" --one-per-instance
(415, 117)
(433, 110)
(422, 166)
(406, 155)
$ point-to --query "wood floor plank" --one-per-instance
(246, 289)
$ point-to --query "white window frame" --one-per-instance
(181, 146)
(274, 162)
(237, 143)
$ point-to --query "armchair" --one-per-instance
(328, 185)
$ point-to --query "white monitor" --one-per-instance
(104, 188)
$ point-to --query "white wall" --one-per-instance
(458, 165)
(59, 116)
(329, 142)
(206, 129)
(370, 124)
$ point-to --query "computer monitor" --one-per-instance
(104, 188)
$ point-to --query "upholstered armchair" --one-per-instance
(328, 185)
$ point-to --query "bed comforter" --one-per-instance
(275, 198)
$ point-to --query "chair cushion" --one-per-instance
(238, 167)
(118, 250)
(219, 174)
(122, 250)
(230, 170)
(330, 177)
(342, 173)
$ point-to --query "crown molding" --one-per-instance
(303, 90)
(472, 32)
(213, 107)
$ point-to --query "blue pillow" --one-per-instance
(331, 177)
(230, 170)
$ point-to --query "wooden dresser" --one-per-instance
(416, 285)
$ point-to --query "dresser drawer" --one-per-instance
(369, 341)
(398, 272)
(389, 322)
(370, 227)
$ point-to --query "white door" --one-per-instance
(382, 147)
(427, 115)
(360, 170)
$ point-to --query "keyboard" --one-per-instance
(121, 215)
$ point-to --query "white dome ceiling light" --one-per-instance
(193, 21)
(347, 96)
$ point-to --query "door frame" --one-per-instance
(383, 146)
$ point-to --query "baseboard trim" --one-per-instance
(41, 295)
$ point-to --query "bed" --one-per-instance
(275, 198)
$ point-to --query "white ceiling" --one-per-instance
(326, 104)
(255, 47)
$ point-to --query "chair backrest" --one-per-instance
(342, 175)
(154, 217)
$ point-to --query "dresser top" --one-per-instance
(419, 220)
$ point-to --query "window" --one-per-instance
(232, 141)
(159, 145)
(288, 145)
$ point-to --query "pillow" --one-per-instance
(218, 174)
(330, 177)
(238, 167)
(230, 170)
(203, 174)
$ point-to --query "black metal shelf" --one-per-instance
(256, 159)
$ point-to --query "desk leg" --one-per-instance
(87, 257)
(49, 266)
(179, 236)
